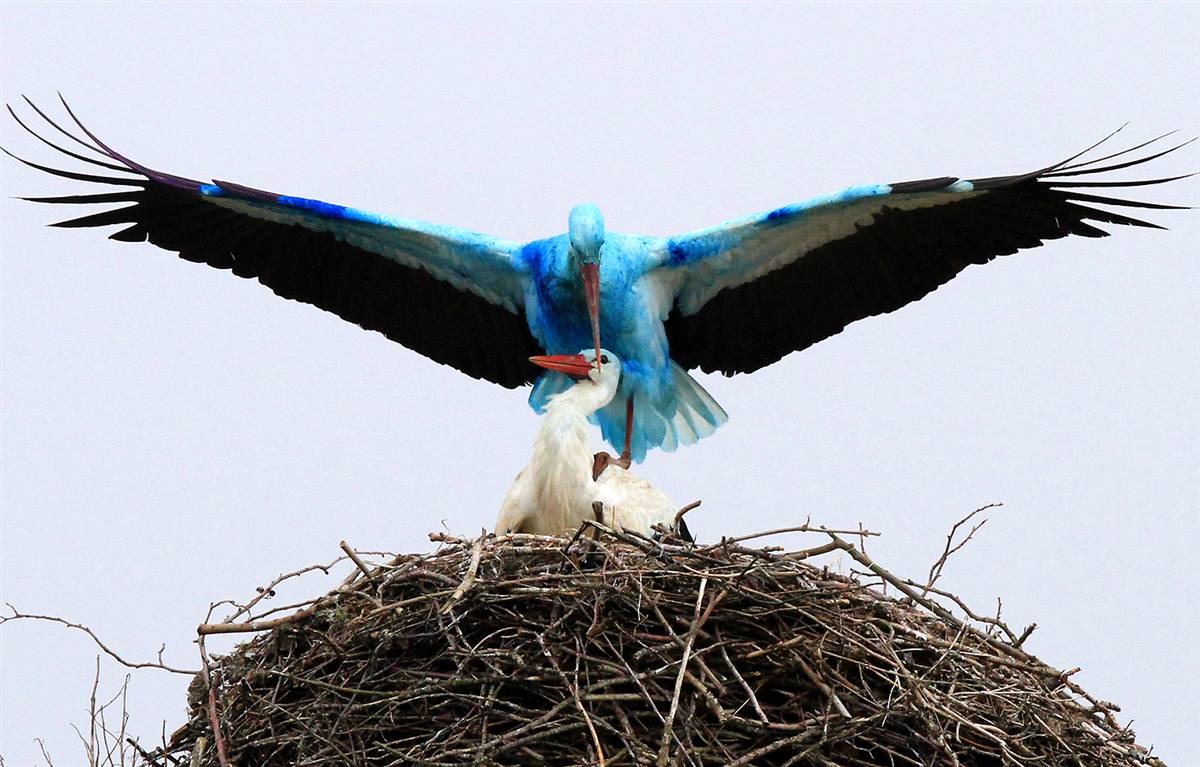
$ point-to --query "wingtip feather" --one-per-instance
(1086, 168)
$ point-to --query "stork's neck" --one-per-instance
(561, 466)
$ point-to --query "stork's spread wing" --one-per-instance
(751, 291)
(451, 295)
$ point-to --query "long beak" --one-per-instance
(591, 292)
(575, 365)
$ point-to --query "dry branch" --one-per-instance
(935, 570)
(16, 615)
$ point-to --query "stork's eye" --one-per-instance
(603, 359)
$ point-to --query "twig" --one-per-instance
(107, 650)
(985, 619)
(149, 759)
(932, 606)
(823, 686)
(469, 578)
(574, 690)
(813, 552)
(805, 528)
(266, 591)
(665, 743)
(741, 680)
(1025, 634)
(215, 721)
(935, 570)
(206, 629)
(213, 718)
(362, 568)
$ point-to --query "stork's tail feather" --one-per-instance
(684, 414)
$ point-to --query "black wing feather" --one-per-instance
(407, 305)
(900, 257)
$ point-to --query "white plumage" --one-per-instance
(555, 493)
(632, 503)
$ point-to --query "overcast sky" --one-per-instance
(173, 435)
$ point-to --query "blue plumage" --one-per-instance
(668, 413)
(671, 408)
(730, 298)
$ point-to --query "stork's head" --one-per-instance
(583, 367)
(585, 228)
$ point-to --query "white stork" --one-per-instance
(558, 491)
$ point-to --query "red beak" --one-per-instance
(575, 365)
(591, 292)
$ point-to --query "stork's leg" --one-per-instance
(603, 460)
(626, 455)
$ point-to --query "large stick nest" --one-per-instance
(623, 651)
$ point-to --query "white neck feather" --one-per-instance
(561, 466)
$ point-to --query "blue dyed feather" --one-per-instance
(543, 279)
(644, 280)
(485, 266)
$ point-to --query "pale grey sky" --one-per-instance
(173, 435)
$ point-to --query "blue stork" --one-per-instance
(732, 298)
